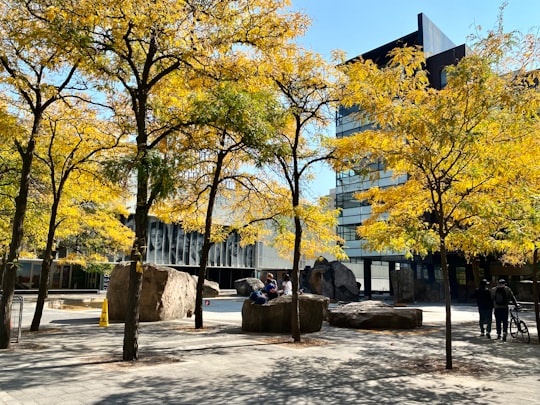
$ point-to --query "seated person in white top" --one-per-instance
(287, 285)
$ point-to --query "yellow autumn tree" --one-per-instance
(132, 47)
(232, 122)
(309, 87)
(71, 150)
(514, 226)
(35, 73)
(509, 223)
(455, 149)
(515, 230)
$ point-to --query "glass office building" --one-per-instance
(374, 268)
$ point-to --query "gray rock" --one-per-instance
(245, 286)
(166, 294)
(210, 288)
(333, 280)
(275, 316)
(374, 315)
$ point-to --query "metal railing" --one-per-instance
(16, 318)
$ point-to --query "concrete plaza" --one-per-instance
(72, 360)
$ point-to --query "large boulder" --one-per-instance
(374, 315)
(245, 286)
(210, 288)
(275, 316)
(166, 294)
(331, 279)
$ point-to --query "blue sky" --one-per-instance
(357, 26)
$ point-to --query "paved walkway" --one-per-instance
(74, 361)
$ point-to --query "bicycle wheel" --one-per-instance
(514, 327)
(523, 333)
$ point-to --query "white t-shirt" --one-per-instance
(287, 287)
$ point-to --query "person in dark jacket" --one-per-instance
(484, 300)
(270, 287)
(502, 295)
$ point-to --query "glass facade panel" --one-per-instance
(348, 232)
(461, 276)
(24, 275)
(444, 78)
(168, 244)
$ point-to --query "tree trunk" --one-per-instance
(216, 179)
(131, 327)
(43, 292)
(476, 272)
(448, 304)
(10, 273)
(3, 266)
(46, 265)
(202, 275)
(8, 289)
(295, 315)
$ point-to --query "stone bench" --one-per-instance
(275, 316)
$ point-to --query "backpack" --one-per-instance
(501, 297)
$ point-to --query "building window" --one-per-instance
(444, 78)
(348, 232)
(347, 200)
(438, 274)
(423, 274)
(461, 276)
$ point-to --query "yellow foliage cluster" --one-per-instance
(148, 67)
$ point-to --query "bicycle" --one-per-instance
(518, 327)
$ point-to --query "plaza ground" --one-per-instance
(72, 360)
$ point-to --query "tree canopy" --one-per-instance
(457, 151)
(150, 56)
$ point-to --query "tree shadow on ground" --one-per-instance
(221, 364)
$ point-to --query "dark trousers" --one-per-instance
(485, 319)
(501, 319)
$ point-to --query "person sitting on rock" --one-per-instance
(287, 285)
(258, 297)
(270, 287)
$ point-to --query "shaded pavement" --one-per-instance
(72, 360)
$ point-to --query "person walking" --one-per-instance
(502, 295)
(484, 301)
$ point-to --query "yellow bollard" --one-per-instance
(104, 320)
